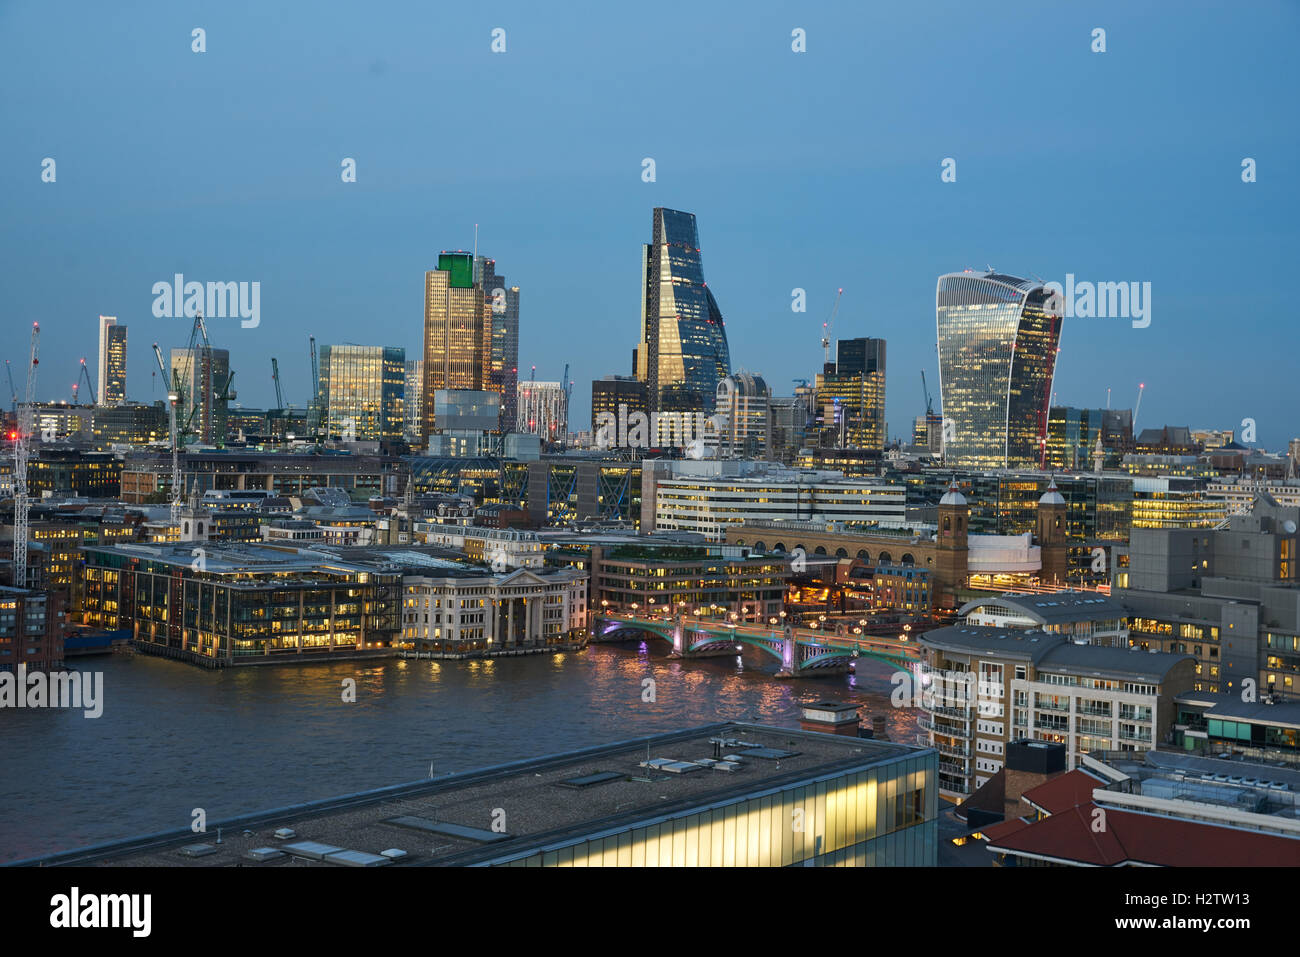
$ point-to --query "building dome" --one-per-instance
(1052, 496)
(953, 496)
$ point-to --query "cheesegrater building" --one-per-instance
(998, 338)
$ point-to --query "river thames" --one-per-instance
(173, 737)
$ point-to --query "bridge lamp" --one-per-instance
(821, 617)
(771, 621)
(634, 606)
(734, 616)
(857, 631)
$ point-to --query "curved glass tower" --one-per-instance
(683, 350)
(998, 337)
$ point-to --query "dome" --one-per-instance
(1052, 496)
(953, 496)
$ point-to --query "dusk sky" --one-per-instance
(814, 170)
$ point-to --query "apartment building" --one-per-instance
(981, 688)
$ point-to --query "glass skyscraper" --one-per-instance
(457, 331)
(362, 390)
(998, 338)
(683, 350)
(112, 361)
(502, 370)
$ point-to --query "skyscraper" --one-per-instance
(205, 393)
(502, 371)
(413, 400)
(112, 361)
(998, 338)
(457, 331)
(851, 399)
(361, 392)
(683, 351)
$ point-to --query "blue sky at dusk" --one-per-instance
(815, 170)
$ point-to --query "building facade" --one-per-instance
(683, 352)
(112, 361)
(998, 338)
(457, 331)
(362, 392)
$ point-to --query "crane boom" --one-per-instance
(173, 397)
(21, 452)
(13, 389)
(929, 404)
(275, 377)
(828, 326)
(85, 374)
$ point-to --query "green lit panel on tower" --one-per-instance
(461, 267)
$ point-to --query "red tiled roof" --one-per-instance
(1128, 838)
(998, 831)
(1064, 791)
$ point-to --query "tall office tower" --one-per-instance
(542, 410)
(361, 392)
(742, 416)
(205, 393)
(457, 331)
(683, 351)
(616, 395)
(503, 352)
(112, 361)
(851, 399)
(998, 338)
(413, 401)
(1073, 434)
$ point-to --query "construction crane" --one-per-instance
(929, 404)
(566, 387)
(13, 390)
(275, 377)
(173, 397)
(85, 374)
(21, 451)
(313, 406)
(1137, 406)
(828, 326)
(186, 380)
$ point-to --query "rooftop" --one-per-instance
(1057, 608)
(546, 801)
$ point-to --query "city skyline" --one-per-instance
(838, 207)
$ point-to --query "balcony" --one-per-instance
(953, 750)
(948, 730)
(951, 785)
(1044, 704)
(957, 768)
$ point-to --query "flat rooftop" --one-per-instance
(448, 821)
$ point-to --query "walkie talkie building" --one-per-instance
(998, 338)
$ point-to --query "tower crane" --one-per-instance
(173, 397)
(929, 404)
(85, 374)
(828, 326)
(313, 406)
(275, 377)
(13, 390)
(21, 452)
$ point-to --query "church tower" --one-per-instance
(1052, 537)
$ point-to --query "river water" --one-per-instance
(173, 737)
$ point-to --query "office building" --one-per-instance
(683, 352)
(457, 331)
(542, 409)
(998, 339)
(1083, 617)
(1073, 436)
(413, 402)
(620, 397)
(851, 398)
(730, 794)
(502, 370)
(112, 361)
(679, 579)
(1230, 597)
(741, 418)
(204, 377)
(362, 392)
(708, 496)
